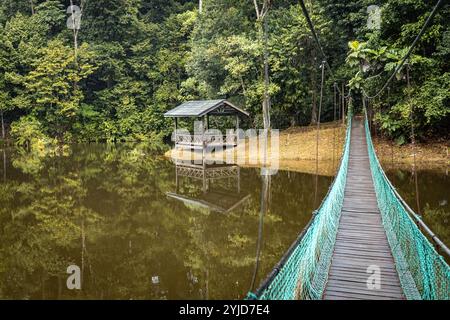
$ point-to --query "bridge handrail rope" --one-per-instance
(416, 217)
(411, 48)
(303, 270)
(423, 272)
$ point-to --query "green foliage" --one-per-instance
(27, 133)
(423, 106)
(53, 86)
(137, 59)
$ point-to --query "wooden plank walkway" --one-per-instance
(361, 240)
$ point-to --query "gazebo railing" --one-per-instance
(204, 139)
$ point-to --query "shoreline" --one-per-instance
(297, 152)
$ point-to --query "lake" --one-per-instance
(139, 227)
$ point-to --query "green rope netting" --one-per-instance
(423, 273)
(305, 272)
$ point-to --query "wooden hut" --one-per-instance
(203, 110)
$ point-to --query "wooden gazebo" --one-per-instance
(203, 110)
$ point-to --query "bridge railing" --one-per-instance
(303, 271)
(424, 274)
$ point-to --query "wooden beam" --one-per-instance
(204, 148)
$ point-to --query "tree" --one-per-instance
(49, 86)
(261, 19)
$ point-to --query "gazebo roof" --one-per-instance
(201, 108)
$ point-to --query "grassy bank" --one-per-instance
(297, 151)
(428, 155)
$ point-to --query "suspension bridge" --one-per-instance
(362, 228)
(364, 242)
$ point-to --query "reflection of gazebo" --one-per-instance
(212, 195)
(203, 110)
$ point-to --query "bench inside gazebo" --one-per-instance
(203, 110)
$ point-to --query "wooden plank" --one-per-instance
(360, 287)
(361, 240)
(387, 279)
(353, 296)
(362, 283)
(362, 272)
(366, 291)
(361, 265)
(375, 255)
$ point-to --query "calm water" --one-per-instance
(141, 229)
(427, 193)
(144, 236)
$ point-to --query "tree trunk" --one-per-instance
(264, 208)
(200, 6)
(3, 125)
(313, 75)
(75, 34)
(262, 22)
(32, 7)
(266, 103)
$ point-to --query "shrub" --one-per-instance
(27, 133)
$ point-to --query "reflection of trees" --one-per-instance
(39, 221)
(137, 244)
(4, 165)
(439, 220)
(265, 203)
(432, 186)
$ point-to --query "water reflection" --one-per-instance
(220, 189)
(107, 210)
(427, 192)
(266, 180)
(4, 165)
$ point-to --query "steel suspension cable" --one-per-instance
(318, 130)
(334, 122)
(316, 38)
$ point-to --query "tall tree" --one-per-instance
(49, 86)
(261, 17)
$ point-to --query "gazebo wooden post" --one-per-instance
(239, 179)
(204, 156)
(205, 188)
(176, 131)
(177, 181)
(204, 143)
(237, 130)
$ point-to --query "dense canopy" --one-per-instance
(129, 62)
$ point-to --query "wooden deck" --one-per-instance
(361, 240)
